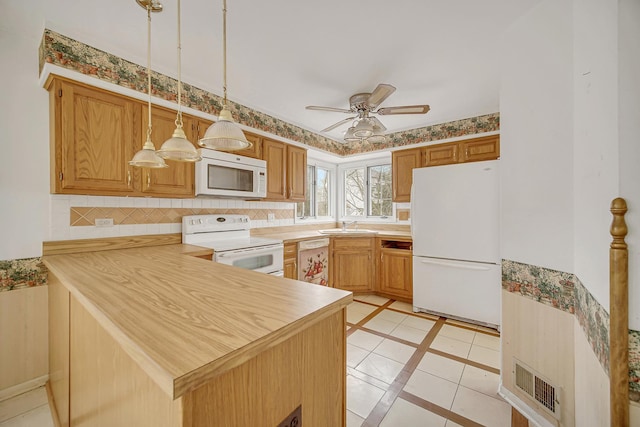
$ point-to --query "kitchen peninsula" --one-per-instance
(154, 336)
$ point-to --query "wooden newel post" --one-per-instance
(619, 316)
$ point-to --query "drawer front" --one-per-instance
(290, 250)
(352, 243)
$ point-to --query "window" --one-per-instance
(367, 191)
(318, 195)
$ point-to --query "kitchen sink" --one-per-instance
(347, 231)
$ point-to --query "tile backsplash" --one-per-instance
(73, 217)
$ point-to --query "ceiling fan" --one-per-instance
(363, 105)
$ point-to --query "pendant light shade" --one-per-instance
(147, 157)
(178, 147)
(225, 134)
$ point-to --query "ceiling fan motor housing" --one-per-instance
(359, 102)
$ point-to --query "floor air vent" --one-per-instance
(538, 388)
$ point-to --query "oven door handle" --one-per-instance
(250, 250)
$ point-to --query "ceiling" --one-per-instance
(286, 54)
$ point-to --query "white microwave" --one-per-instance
(221, 174)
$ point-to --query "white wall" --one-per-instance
(24, 137)
(536, 139)
(596, 135)
(629, 134)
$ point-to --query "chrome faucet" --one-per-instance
(345, 224)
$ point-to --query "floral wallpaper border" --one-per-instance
(565, 292)
(22, 273)
(63, 51)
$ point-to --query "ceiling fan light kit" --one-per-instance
(363, 129)
(225, 134)
(363, 104)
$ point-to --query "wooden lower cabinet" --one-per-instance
(395, 269)
(291, 260)
(352, 263)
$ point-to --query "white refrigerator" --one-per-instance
(455, 224)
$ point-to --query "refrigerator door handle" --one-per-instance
(465, 266)
(411, 199)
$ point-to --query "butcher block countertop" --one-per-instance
(186, 320)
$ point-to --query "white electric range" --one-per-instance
(229, 237)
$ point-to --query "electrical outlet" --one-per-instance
(104, 222)
(271, 217)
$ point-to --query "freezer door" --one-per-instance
(455, 212)
(465, 290)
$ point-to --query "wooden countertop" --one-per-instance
(186, 320)
(297, 236)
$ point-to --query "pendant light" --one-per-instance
(224, 134)
(147, 157)
(178, 146)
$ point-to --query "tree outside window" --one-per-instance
(373, 193)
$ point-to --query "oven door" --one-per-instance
(264, 259)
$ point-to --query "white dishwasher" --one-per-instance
(313, 261)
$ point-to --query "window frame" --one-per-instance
(366, 164)
(332, 196)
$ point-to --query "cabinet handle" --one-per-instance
(149, 179)
(129, 178)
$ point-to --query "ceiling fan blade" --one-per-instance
(406, 109)
(340, 123)
(379, 94)
(377, 123)
(339, 110)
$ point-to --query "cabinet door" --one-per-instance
(178, 179)
(441, 154)
(275, 154)
(198, 128)
(291, 260)
(402, 164)
(255, 150)
(396, 273)
(477, 149)
(353, 270)
(95, 137)
(296, 173)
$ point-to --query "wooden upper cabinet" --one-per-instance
(93, 138)
(441, 154)
(275, 154)
(255, 150)
(178, 179)
(477, 149)
(402, 164)
(198, 128)
(296, 173)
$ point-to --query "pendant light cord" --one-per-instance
(179, 116)
(149, 66)
(224, 50)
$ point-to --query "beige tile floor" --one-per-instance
(402, 369)
(412, 369)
